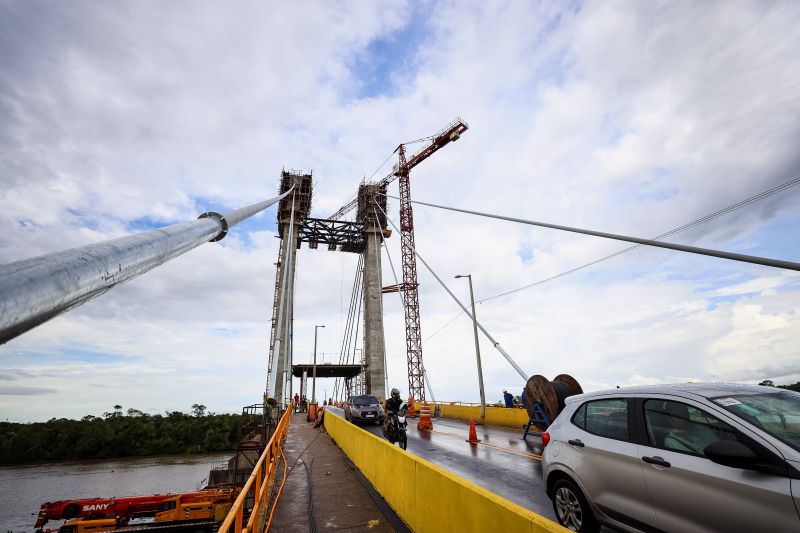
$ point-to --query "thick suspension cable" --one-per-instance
(464, 308)
(752, 259)
(35, 290)
(688, 225)
(273, 378)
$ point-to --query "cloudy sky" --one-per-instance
(627, 117)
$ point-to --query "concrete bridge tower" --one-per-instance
(292, 213)
(371, 209)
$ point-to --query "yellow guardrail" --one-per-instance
(411, 485)
(256, 490)
(495, 416)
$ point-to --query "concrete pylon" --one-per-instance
(289, 228)
(286, 314)
(371, 206)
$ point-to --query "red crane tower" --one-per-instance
(452, 132)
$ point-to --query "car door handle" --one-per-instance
(656, 461)
(576, 442)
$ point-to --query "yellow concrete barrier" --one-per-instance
(426, 497)
(495, 416)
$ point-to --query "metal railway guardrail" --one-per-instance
(257, 487)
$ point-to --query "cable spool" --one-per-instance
(551, 394)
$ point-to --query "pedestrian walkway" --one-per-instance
(324, 491)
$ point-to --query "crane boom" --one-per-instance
(446, 135)
(409, 289)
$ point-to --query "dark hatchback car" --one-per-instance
(363, 408)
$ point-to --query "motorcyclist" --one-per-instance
(393, 405)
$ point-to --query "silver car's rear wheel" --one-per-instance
(572, 509)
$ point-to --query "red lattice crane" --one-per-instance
(416, 378)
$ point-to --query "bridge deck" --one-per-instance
(322, 486)
(502, 462)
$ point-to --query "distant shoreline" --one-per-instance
(117, 436)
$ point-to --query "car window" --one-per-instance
(606, 418)
(683, 428)
(579, 418)
(776, 412)
(362, 401)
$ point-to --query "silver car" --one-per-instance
(677, 458)
(363, 408)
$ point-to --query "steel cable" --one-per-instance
(495, 343)
(673, 231)
(710, 216)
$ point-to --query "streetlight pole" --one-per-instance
(314, 379)
(477, 347)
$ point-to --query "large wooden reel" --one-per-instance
(551, 394)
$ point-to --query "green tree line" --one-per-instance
(115, 434)
(795, 387)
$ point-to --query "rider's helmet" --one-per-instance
(395, 393)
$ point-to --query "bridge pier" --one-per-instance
(371, 206)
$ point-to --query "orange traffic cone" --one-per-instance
(473, 437)
(425, 417)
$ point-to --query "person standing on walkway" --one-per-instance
(508, 398)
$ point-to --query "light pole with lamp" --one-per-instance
(314, 379)
(477, 347)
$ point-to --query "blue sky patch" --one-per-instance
(263, 221)
(713, 302)
(226, 332)
(67, 355)
(83, 219)
(147, 223)
(772, 239)
(390, 59)
(525, 252)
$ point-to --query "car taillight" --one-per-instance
(545, 439)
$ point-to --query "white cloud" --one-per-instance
(627, 117)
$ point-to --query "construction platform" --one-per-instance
(324, 491)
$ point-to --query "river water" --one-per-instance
(24, 488)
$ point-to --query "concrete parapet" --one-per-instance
(411, 485)
(495, 416)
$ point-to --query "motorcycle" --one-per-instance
(396, 433)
